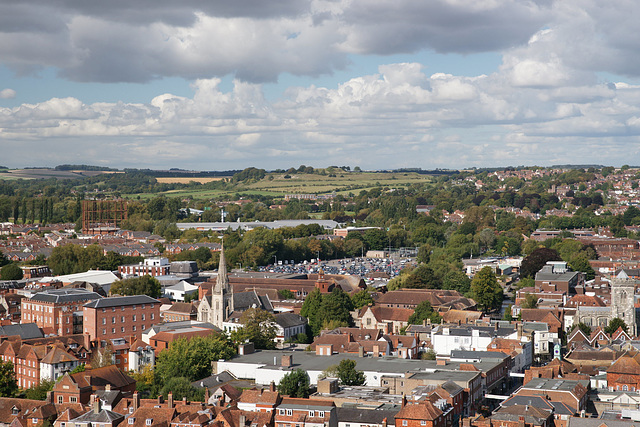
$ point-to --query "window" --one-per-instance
(59, 399)
(404, 422)
(122, 329)
(134, 328)
(321, 414)
(142, 316)
(34, 420)
(289, 412)
(423, 423)
(113, 330)
(104, 332)
(122, 319)
(131, 419)
(134, 317)
(104, 320)
(113, 319)
(134, 306)
(113, 309)
(151, 313)
(73, 399)
(281, 411)
(312, 413)
(148, 421)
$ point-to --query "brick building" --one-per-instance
(294, 412)
(79, 387)
(57, 311)
(149, 267)
(425, 414)
(120, 317)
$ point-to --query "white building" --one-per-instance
(475, 338)
(56, 363)
(178, 291)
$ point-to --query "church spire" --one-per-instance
(222, 281)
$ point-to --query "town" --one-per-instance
(476, 298)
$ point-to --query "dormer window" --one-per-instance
(148, 421)
(15, 410)
(312, 413)
(132, 420)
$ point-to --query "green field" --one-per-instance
(276, 185)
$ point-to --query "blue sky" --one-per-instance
(376, 83)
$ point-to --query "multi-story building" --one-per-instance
(305, 413)
(158, 266)
(120, 317)
(57, 311)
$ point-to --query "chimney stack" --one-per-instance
(286, 360)
(272, 386)
(136, 401)
(96, 404)
(404, 400)
(170, 400)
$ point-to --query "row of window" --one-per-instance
(134, 318)
(122, 307)
(122, 329)
(289, 412)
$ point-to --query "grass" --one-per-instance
(276, 185)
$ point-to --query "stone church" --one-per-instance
(622, 306)
(223, 307)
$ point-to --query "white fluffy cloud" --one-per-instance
(7, 93)
(399, 117)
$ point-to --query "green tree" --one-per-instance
(11, 272)
(145, 285)
(376, 239)
(457, 280)
(39, 392)
(286, 294)
(8, 384)
(102, 357)
(181, 387)
(424, 311)
(530, 301)
(348, 374)
(508, 316)
(295, 384)
(486, 290)
(311, 310)
(258, 327)
(336, 306)
(361, 299)
(614, 324)
(584, 328)
(192, 358)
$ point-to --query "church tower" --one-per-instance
(221, 295)
(623, 301)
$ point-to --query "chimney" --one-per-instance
(384, 422)
(360, 351)
(241, 421)
(136, 401)
(286, 360)
(441, 362)
(96, 404)
(376, 351)
(206, 395)
(184, 401)
(272, 386)
(170, 400)
(50, 396)
(161, 399)
(404, 400)
(107, 387)
(519, 330)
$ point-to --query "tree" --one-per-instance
(532, 263)
(286, 294)
(336, 306)
(39, 392)
(423, 312)
(361, 299)
(584, 328)
(258, 327)
(8, 384)
(181, 387)
(295, 384)
(102, 357)
(145, 285)
(192, 358)
(311, 310)
(486, 290)
(11, 272)
(530, 301)
(614, 324)
(508, 316)
(457, 280)
(348, 374)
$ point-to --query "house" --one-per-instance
(294, 412)
(288, 326)
(386, 319)
(78, 387)
(425, 413)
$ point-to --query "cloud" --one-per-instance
(7, 93)
(398, 117)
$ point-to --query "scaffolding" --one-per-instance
(103, 216)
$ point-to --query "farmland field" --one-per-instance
(186, 180)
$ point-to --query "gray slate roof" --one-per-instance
(25, 330)
(65, 295)
(288, 320)
(366, 416)
(120, 301)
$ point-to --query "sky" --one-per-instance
(380, 84)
